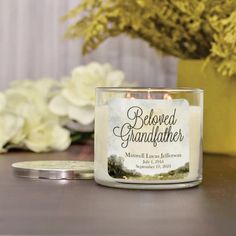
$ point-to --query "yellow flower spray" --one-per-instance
(188, 29)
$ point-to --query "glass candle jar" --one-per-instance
(148, 138)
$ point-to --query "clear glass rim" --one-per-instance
(149, 89)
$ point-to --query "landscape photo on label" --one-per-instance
(148, 139)
(116, 169)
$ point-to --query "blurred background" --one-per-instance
(32, 46)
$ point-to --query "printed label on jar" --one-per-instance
(148, 139)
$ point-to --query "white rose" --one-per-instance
(10, 127)
(77, 97)
(80, 89)
(48, 137)
(41, 130)
(29, 103)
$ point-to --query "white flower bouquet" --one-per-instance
(47, 115)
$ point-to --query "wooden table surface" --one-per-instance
(80, 207)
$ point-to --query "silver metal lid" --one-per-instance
(55, 169)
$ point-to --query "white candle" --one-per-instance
(137, 155)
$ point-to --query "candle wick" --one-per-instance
(149, 95)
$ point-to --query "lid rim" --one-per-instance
(55, 174)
